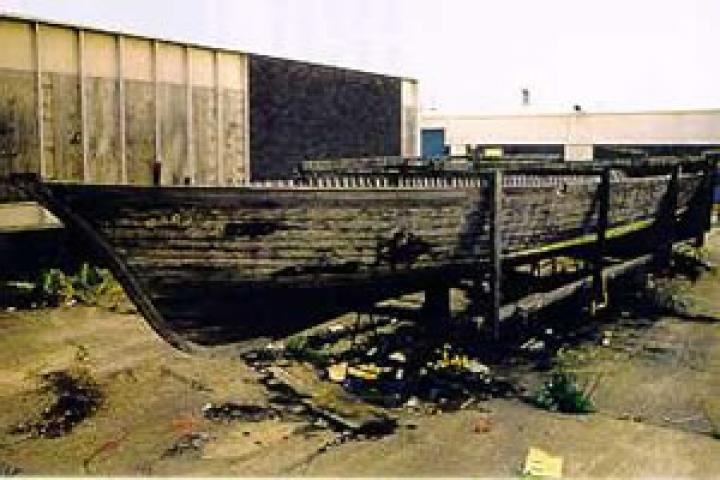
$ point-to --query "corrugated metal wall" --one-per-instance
(101, 107)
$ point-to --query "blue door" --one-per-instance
(433, 142)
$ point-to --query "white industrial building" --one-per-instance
(576, 135)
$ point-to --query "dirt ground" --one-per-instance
(657, 396)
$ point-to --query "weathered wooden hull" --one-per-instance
(216, 265)
(213, 265)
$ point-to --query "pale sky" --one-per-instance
(470, 56)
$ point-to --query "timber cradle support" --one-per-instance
(495, 182)
(599, 282)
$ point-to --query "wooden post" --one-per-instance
(495, 218)
(599, 291)
(436, 308)
(704, 223)
(667, 228)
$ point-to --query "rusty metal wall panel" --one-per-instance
(205, 135)
(234, 136)
(62, 126)
(140, 136)
(103, 131)
(18, 126)
(173, 133)
(234, 122)
(83, 104)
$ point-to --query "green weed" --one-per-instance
(90, 285)
(561, 393)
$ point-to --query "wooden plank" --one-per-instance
(538, 301)
(667, 224)
(332, 401)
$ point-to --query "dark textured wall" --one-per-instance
(300, 111)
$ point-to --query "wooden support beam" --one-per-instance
(495, 218)
(603, 209)
(538, 301)
(436, 308)
(704, 222)
(666, 229)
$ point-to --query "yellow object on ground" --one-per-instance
(337, 373)
(542, 464)
(365, 372)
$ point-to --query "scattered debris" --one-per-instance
(541, 464)
(185, 423)
(106, 447)
(228, 412)
(331, 402)
(73, 396)
(336, 328)
(9, 470)
(533, 345)
(338, 373)
(483, 425)
(397, 357)
(190, 442)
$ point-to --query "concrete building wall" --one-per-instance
(579, 132)
(80, 104)
(302, 111)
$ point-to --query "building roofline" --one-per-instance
(430, 115)
(20, 17)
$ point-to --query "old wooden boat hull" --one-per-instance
(213, 265)
(222, 264)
